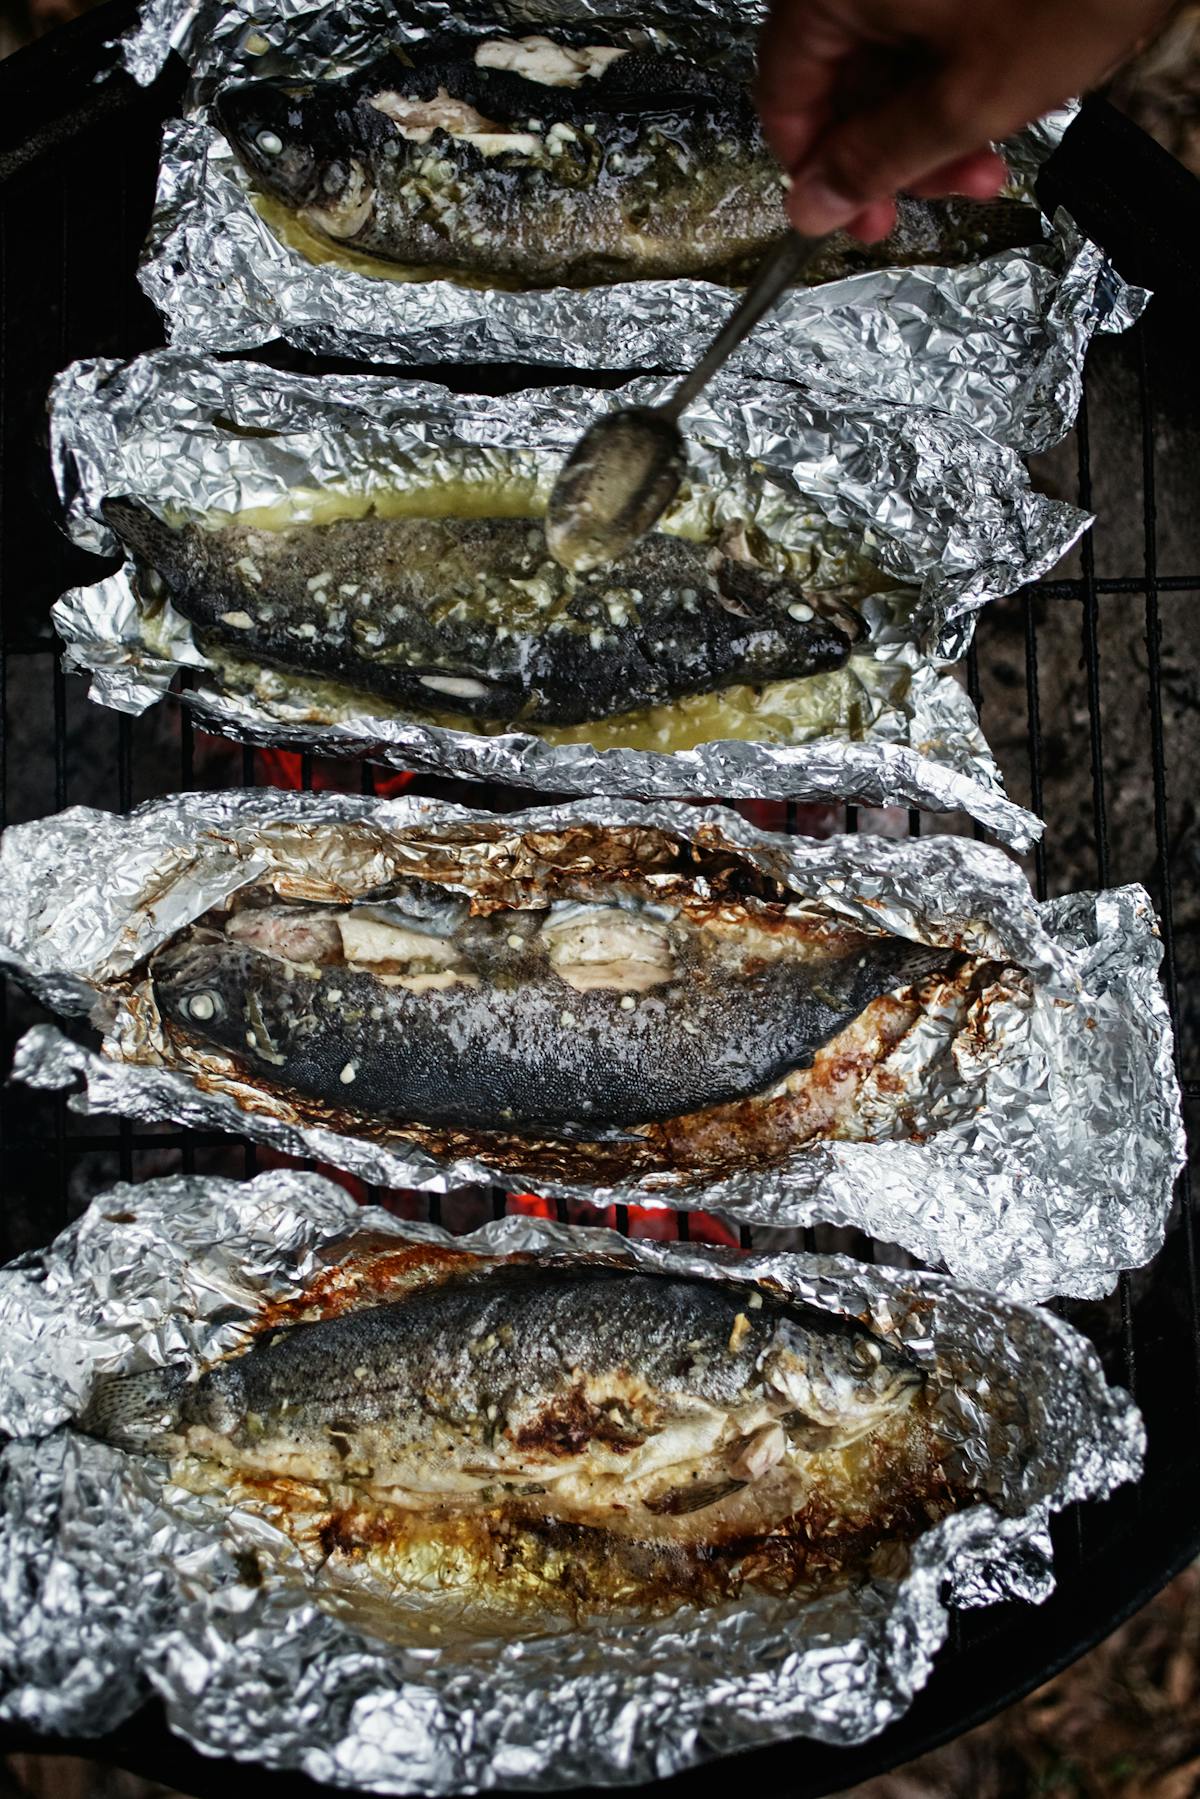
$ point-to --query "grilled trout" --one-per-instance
(573, 1020)
(571, 1401)
(539, 163)
(473, 616)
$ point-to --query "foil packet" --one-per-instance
(999, 343)
(1020, 1128)
(926, 519)
(119, 1585)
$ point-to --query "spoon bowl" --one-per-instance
(614, 487)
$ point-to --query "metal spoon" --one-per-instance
(626, 468)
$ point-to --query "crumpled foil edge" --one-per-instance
(921, 498)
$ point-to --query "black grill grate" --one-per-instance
(1042, 674)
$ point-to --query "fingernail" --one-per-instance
(815, 207)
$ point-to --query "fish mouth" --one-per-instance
(846, 617)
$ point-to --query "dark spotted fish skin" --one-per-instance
(949, 233)
(663, 172)
(473, 617)
(665, 1394)
(493, 1035)
(672, 178)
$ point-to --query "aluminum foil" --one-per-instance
(1027, 1142)
(1000, 343)
(942, 519)
(116, 1584)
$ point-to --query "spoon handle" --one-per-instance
(783, 265)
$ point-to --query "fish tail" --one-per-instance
(137, 527)
(134, 1411)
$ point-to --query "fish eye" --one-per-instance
(203, 1006)
(867, 1353)
(270, 143)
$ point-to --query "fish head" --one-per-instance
(284, 137)
(842, 1378)
(200, 985)
(139, 529)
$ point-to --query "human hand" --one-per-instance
(862, 98)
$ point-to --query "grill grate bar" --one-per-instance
(187, 770)
(125, 798)
(58, 679)
(975, 690)
(1079, 587)
(1166, 906)
(1091, 651)
(1033, 711)
(3, 624)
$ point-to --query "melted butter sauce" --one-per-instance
(783, 712)
(295, 235)
(473, 495)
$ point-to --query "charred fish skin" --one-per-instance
(624, 1399)
(948, 233)
(652, 168)
(472, 616)
(521, 1022)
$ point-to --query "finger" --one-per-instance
(984, 87)
(943, 119)
(874, 222)
(980, 177)
(800, 52)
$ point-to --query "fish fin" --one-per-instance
(679, 1500)
(134, 1411)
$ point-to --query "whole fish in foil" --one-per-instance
(572, 1428)
(540, 162)
(573, 1019)
(473, 616)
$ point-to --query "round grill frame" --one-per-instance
(78, 157)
